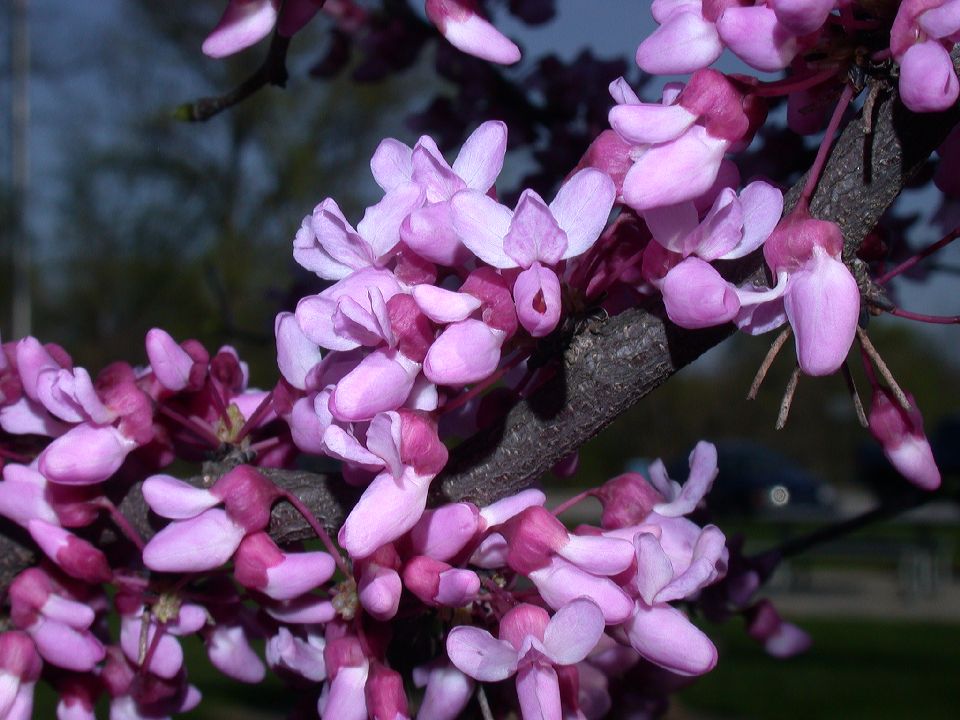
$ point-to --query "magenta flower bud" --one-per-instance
(498, 310)
(522, 621)
(74, 556)
(822, 303)
(244, 23)
(379, 589)
(85, 455)
(174, 368)
(928, 82)
(386, 699)
(420, 446)
(627, 499)
(260, 565)
(466, 30)
(533, 536)
(780, 639)
(248, 496)
(437, 583)
(412, 328)
(343, 652)
(610, 154)
(444, 532)
(465, 352)
(900, 434)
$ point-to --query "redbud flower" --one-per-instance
(530, 644)
(900, 434)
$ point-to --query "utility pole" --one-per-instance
(20, 167)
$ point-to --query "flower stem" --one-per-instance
(813, 176)
(318, 529)
(926, 252)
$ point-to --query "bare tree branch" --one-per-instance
(273, 71)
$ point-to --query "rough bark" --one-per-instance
(610, 363)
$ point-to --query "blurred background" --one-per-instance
(127, 218)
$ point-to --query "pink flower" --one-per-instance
(900, 434)
(531, 643)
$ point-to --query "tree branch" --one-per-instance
(273, 71)
(611, 363)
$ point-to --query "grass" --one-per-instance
(855, 669)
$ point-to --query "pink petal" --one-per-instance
(582, 207)
(940, 22)
(166, 660)
(27, 417)
(442, 533)
(384, 437)
(65, 647)
(379, 592)
(762, 205)
(684, 43)
(538, 298)
(823, 306)
(447, 694)
(597, 554)
(534, 233)
(201, 543)
(430, 233)
(502, 510)
(928, 81)
(696, 296)
(306, 610)
(721, 229)
(664, 636)
(296, 355)
(340, 444)
(381, 382)
(654, 569)
(229, 651)
(380, 226)
(391, 164)
(671, 224)
(573, 631)
(802, 17)
(478, 654)
(244, 23)
(298, 573)
(170, 363)
(85, 455)
(345, 699)
(368, 526)
(538, 690)
(707, 564)
(647, 124)
(481, 157)
(22, 496)
(482, 224)
(561, 582)
(757, 38)
(444, 306)
(466, 352)
(675, 171)
(469, 32)
(703, 471)
(172, 498)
